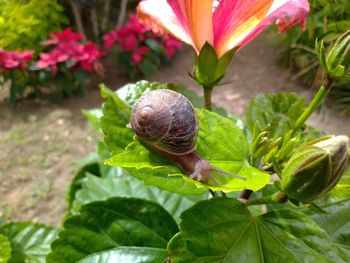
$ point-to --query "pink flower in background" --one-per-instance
(15, 59)
(127, 36)
(65, 35)
(171, 45)
(137, 40)
(225, 24)
(137, 56)
(109, 39)
(135, 25)
(129, 42)
(66, 48)
(93, 55)
(50, 60)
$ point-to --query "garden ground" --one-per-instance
(40, 143)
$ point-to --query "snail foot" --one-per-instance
(203, 172)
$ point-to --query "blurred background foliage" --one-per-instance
(328, 19)
(24, 24)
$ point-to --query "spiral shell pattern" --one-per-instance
(166, 120)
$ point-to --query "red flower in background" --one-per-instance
(131, 37)
(50, 60)
(171, 44)
(109, 39)
(15, 59)
(65, 47)
(65, 35)
(127, 36)
(137, 56)
(92, 60)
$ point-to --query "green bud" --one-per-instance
(336, 63)
(209, 69)
(315, 168)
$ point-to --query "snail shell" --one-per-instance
(166, 120)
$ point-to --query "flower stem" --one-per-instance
(315, 103)
(207, 97)
(278, 197)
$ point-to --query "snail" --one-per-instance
(166, 121)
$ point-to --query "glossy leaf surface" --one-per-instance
(101, 188)
(223, 230)
(116, 222)
(127, 254)
(29, 242)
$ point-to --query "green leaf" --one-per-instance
(116, 115)
(128, 254)
(117, 222)
(220, 142)
(337, 72)
(223, 230)
(29, 242)
(280, 111)
(97, 189)
(342, 189)
(93, 116)
(79, 178)
(337, 221)
(5, 249)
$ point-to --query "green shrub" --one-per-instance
(24, 24)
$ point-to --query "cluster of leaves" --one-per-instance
(61, 69)
(328, 19)
(145, 210)
(140, 51)
(24, 24)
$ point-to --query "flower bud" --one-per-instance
(336, 63)
(209, 69)
(315, 168)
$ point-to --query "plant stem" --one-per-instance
(207, 97)
(315, 103)
(278, 197)
(207, 105)
(77, 16)
(246, 193)
(122, 13)
(94, 22)
(213, 194)
(105, 17)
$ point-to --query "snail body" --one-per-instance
(166, 121)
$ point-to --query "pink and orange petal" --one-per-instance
(225, 24)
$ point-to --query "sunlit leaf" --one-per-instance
(5, 249)
(279, 112)
(93, 116)
(96, 189)
(116, 222)
(128, 254)
(223, 230)
(29, 242)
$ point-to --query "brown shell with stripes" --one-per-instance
(165, 120)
